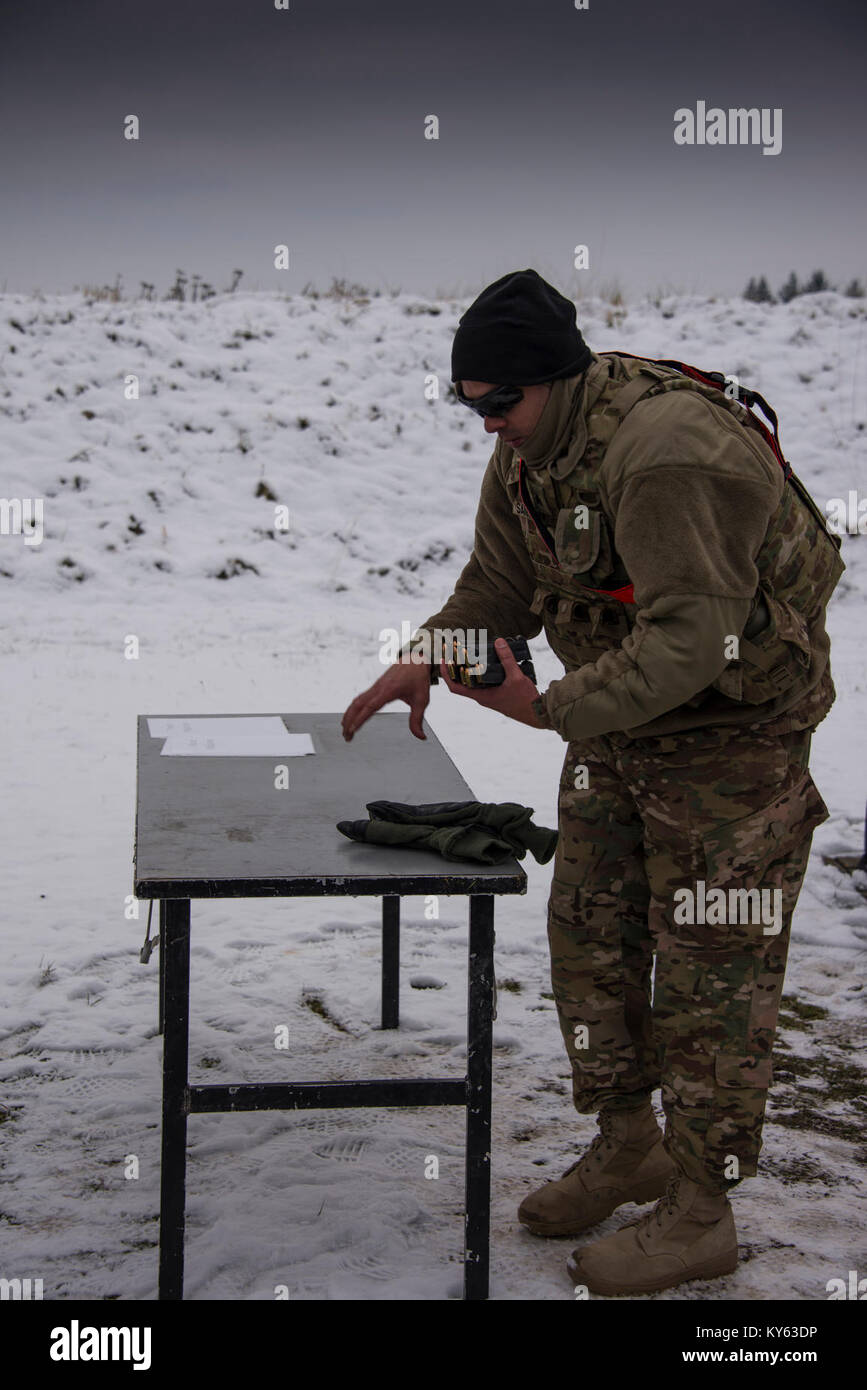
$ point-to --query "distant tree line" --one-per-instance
(759, 291)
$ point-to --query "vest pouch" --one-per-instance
(578, 630)
(590, 627)
(556, 612)
(777, 658)
(538, 604)
(584, 553)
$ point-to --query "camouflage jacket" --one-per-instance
(647, 525)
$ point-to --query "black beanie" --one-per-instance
(519, 331)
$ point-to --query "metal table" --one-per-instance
(216, 827)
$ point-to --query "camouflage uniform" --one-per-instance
(726, 806)
(654, 520)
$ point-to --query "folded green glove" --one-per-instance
(478, 831)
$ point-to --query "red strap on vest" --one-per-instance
(625, 595)
(746, 396)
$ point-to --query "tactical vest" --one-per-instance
(584, 595)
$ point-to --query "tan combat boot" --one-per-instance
(625, 1163)
(690, 1234)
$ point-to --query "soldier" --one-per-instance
(681, 572)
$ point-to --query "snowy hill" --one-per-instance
(159, 522)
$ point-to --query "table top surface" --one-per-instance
(218, 827)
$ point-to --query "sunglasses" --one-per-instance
(495, 402)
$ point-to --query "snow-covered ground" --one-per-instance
(247, 402)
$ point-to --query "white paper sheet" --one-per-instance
(254, 736)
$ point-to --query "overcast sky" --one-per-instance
(306, 127)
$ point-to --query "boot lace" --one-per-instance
(665, 1206)
(602, 1140)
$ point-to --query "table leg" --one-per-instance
(390, 960)
(175, 949)
(477, 1220)
(162, 984)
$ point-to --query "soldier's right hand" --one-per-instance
(403, 681)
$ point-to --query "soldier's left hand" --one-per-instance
(513, 698)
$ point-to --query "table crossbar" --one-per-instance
(327, 1095)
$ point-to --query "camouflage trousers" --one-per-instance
(659, 840)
